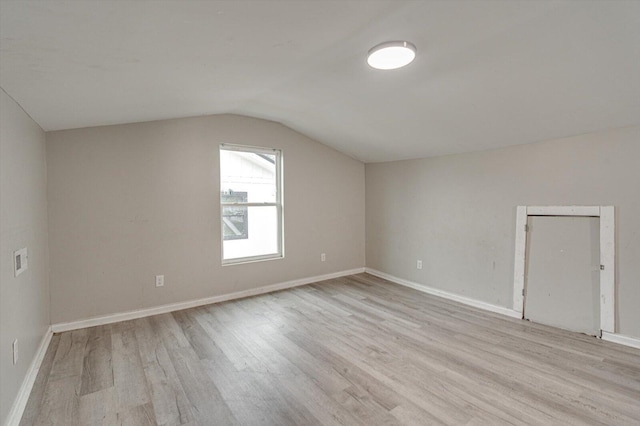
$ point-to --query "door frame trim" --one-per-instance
(607, 255)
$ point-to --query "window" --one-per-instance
(250, 203)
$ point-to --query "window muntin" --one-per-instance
(250, 203)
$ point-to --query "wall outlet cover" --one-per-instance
(20, 261)
(159, 280)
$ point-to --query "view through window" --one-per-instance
(250, 203)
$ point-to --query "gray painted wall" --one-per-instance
(129, 202)
(24, 300)
(457, 213)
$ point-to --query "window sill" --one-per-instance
(254, 259)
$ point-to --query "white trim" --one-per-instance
(242, 204)
(446, 295)
(621, 339)
(519, 262)
(251, 259)
(608, 274)
(607, 255)
(244, 148)
(19, 404)
(563, 210)
(141, 313)
(520, 259)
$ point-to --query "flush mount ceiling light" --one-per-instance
(391, 55)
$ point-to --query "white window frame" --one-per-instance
(606, 214)
(278, 204)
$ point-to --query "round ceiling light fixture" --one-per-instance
(391, 55)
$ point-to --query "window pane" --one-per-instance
(234, 219)
(248, 172)
(260, 228)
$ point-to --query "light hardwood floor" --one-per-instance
(356, 350)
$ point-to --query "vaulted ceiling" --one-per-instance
(488, 73)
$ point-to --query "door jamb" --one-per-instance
(607, 255)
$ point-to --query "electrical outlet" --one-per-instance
(159, 280)
(15, 352)
(419, 264)
(323, 257)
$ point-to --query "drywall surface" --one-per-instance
(457, 213)
(24, 300)
(129, 202)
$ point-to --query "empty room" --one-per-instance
(279, 212)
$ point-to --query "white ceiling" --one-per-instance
(488, 74)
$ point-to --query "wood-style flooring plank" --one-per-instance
(97, 372)
(99, 408)
(170, 404)
(140, 415)
(132, 388)
(60, 405)
(205, 399)
(69, 357)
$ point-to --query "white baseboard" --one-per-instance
(446, 295)
(19, 404)
(621, 339)
(141, 313)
